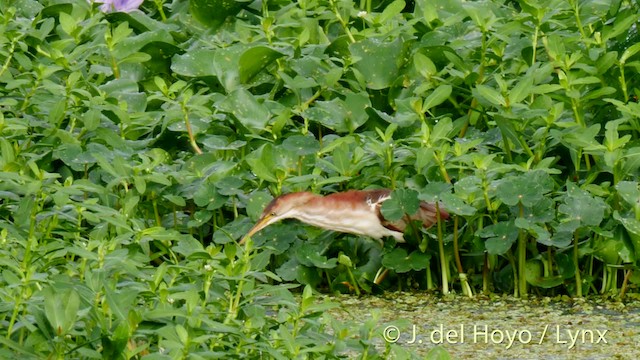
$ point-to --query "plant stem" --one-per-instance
(353, 280)
(485, 274)
(443, 259)
(187, 123)
(466, 289)
(522, 257)
(575, 262)
(623, 289)
(234, 302)
(344, 24)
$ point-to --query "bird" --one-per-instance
(354, 211)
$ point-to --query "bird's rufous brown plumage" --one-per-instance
(354, 211)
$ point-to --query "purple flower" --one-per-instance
(118, 5)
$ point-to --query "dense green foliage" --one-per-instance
(137, 148)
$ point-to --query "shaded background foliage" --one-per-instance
(137, 147)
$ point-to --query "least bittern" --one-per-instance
(355, 212)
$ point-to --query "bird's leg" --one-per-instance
(380, 275)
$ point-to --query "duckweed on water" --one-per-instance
(500, 327)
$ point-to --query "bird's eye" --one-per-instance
(273, 214)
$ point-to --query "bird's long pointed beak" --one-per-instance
(261, 224)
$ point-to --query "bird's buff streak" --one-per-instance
(356, 212)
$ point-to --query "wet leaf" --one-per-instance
(61, 308)
(629, 191)
(247, 109)
(254, 60)
(301, 145)
(377, 61)
(581, 206)
(401, 262)
(402, 202)
(499, 237)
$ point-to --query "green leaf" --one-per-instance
(398, 260)
(582, 207)
(630, 192)
(378, 61)
(392, 10)
(500, 237)
(254, 60)
(456, 205)
(206, 195)
(301, 145)
(521, 90)
(61, 308)
(441, 130)
(341, 115)
(68, 23)
(433, 191)
(256, 204)
(310, 256)
(247, 109)
(402, 202)
(489, 96)
(214, 12)
(437, 97)
(221, 63)
(527, 189)
(424, 65)
(631, 160)
(629, 52)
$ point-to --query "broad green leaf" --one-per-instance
(629, 52)
(310, 256)
(301, 145)
(500, 237)
(402, 202)
(61, 306)
(378, 61)
(437, 97)
(206, 195)
(342, 116)
(582, 206)
(622, 24)
(256, 204)
(196, 63)
(630, 192)
(187, 245)
(454, 205)
(631, 160)
(433, 191)
(247, 109)
(424, 65)
(68, 23)
(254, 60)
(393, 9)
(607, 249)
(176, 200)
(441, 130)
(521, 90)
(214, 12)
(399, 261)
(528, 188)
(489, 96)
(262, 164)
